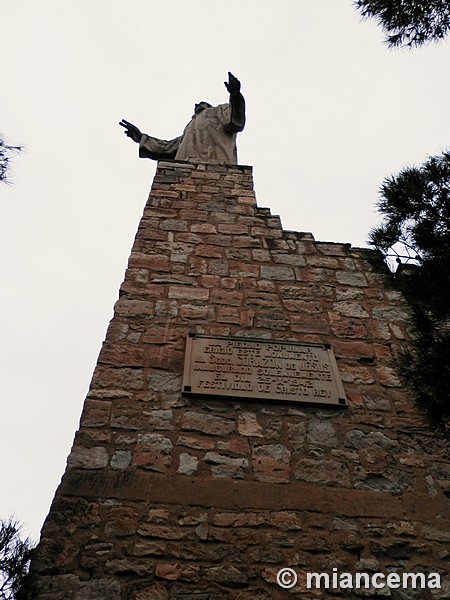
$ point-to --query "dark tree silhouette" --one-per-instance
(416, 229)
(6, 154)
(15, 554)
(408, 23)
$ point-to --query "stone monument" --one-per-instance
(209, 136)
(244, 416)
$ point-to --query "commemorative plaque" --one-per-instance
(262, 370)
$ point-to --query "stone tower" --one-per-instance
(244, 415)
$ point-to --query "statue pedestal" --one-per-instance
(174, 496)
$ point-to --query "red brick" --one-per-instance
(233, 229)
(209, 251)
(96, 413)
(225, 297)
(203, 228)
(182, 292)
(240, 269)
(195, 421)
(154, 262)
(121, 355)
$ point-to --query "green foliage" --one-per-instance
(416, 209)
(15, 555)
(408, 22)
(425, 367)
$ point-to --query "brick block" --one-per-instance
(182, 292)
(277, 272)
(210, 424)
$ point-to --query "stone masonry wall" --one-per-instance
(174, 498)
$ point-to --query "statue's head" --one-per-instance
(198, 108)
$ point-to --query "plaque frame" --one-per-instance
(216, 384)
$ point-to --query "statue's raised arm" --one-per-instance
(131, 130)
(210, 135)
(237, 103)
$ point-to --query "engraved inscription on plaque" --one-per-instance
(262, 369)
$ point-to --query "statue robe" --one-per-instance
(209, 136)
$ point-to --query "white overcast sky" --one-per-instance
(331, 112)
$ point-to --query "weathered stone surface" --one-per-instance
(356, 438)
(226, 466)
(278, 272)
(145, 547)
(271, 463)
(226, 574)
(138, 418)
(156, 591)
(194, 518)
(328, 472)
(188, 464)
(126, 379)
(207, 423)
(65, 587)
(321, 433)
(390, 480)
(286, 521)
(88, 458)
(249, 519)
(162, 532)
(248, 425)
(173, 225)
(303, 306)
(238, 445)
(133, 308)
(122, 521)
(165, 308)
(121, 459)
(351, 309)
(158, 515)
(388, 377)
(128, 567)
(351, 278)
(204, 228)
(377, 402)
(430, 533)
(153, 451)
(297, 435)
(164, 382)
(175, 497)
(159, 419)
(196, 443)
(389, 313)
(96, 413)
(181, 292)
(355, 374)
(322, 261)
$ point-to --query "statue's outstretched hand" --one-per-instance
(131, 130)
(233, 84)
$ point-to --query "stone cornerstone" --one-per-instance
(174, 497)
